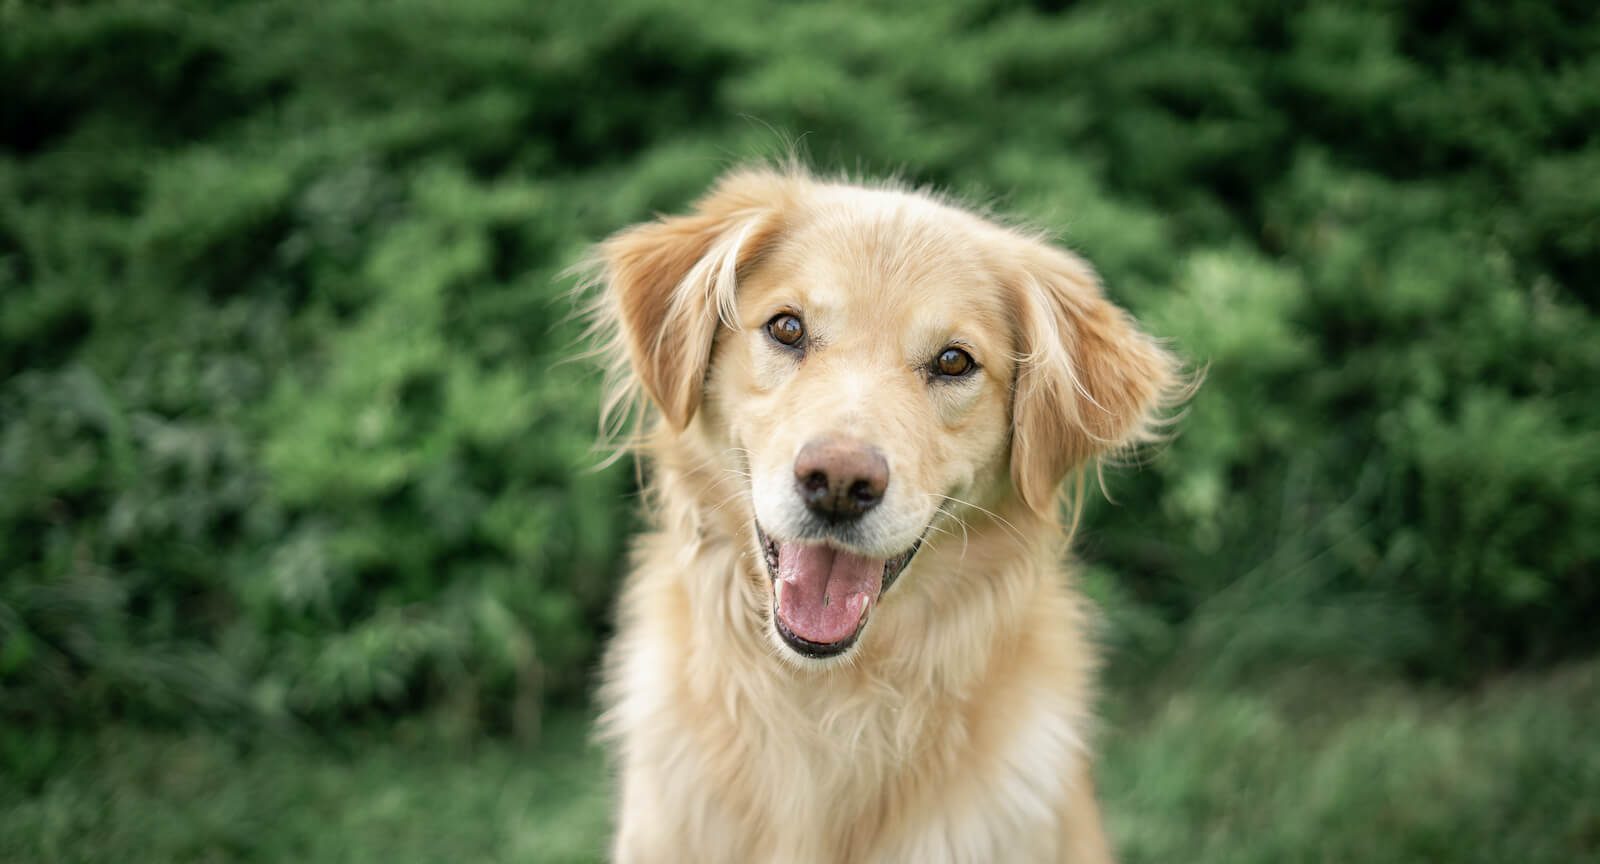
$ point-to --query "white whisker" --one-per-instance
(1015, 532)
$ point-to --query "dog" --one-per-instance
(848, 635)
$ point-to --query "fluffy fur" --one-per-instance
(956, 728)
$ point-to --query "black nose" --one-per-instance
(840, 478)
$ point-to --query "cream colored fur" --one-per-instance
(957, 728)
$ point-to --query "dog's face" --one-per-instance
(868, 386)
(866, 360)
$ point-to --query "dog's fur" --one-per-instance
(955, 728)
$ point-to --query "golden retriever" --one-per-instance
(848, 636)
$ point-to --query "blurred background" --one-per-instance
(302, 556)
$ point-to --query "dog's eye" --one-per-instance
(786, 329)
(954, 363)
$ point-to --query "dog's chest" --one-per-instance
(824, 777)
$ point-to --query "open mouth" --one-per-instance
(822, 596)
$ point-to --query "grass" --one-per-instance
(1299, 769)
(1316, 771)
(135, 796)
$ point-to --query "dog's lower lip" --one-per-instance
(816, 650)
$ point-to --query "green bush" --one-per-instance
(290, 427)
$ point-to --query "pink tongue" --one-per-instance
(823, 593)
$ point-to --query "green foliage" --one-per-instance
(288, 427)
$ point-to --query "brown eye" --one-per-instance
(786, 329)
(953, 363)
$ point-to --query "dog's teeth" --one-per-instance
(777, 588)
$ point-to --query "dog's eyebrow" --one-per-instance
(962, 342)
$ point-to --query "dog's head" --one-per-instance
(865, 361)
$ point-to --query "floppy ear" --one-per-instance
(670, 282)
(1087, 382)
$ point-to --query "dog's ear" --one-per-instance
(671, 281)
(1087, 381)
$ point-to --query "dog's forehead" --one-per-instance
(885, 251)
